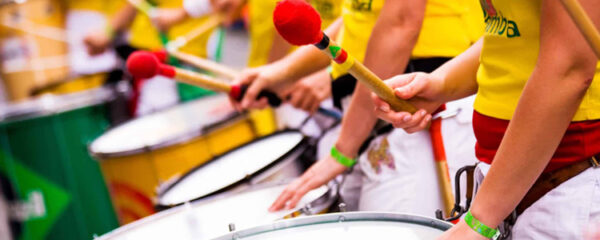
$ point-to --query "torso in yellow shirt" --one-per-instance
(144, 35)
(262, 28)
(443, 33)
(509, 55)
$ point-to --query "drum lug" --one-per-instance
(342, 207)
(231, 227)
(307, 210)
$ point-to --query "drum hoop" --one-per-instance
(164, 190)
(331, 191)
(48, 105)
(338, 217)
(182, 139)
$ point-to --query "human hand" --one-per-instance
(309, 92)
(421, 90)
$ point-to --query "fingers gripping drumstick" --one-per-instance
(143, 64)
(300, 24)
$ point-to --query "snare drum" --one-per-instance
(140, 154)
(209, 218)
(276, 157)
(348, 226)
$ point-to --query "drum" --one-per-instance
(212, 217)
(139, 155)
(349, 226)
(280, 156)
(33, 46)
(55, 190)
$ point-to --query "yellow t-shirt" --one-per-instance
(443, 33)
(144, 35)
(509, 55)
(262, 29)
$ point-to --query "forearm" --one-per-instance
(357, 123)
(123, 19)
(459, 76)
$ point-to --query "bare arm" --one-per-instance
(388, 53)
(565, 68)
(123, 19)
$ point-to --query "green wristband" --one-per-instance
(340, 158)
(481, 228)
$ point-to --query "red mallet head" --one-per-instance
(297, 22)
(142, 64)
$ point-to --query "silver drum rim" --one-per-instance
(338, 217)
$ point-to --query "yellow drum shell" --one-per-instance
(33, 46)
(133, 176)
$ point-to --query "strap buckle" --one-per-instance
(594, 161)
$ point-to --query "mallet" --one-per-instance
(300, 24)
(143, 64)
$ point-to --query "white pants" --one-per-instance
(570, 211)
(399, 168)
(156, 94)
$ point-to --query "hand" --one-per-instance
(230, 9)
(461, 231)
(166, 18)
(267, 77)
(319, 174)
(97, 42)
(421, 90)
(310, 91)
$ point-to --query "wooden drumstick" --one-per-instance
(213, 21)
(300, 24)
(206, 64)
(441, 165)
(142, 64)
(584, 23)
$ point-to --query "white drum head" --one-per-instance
(230, 168)
(167, 127)
(211, 218)
(348, 226)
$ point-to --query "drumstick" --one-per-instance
(441, 164)
(212, 22)
(299, 23)
(206, 64)
(143, 65)
(584, 23)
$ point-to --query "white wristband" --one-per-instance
(197, 8)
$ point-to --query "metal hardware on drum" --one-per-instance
(459, 210)
(342, 206)
(231, 227)
(350, 226)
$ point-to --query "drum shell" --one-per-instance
(289, 166)
(44, 154)
(134, 175)
(30, 60)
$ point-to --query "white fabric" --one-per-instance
(570, 211)
(197, 8)
(399, 168)
(79, 24)
(157, 93)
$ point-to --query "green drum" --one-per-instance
(54, 189)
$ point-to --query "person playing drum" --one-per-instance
(419, 31)
(536, 120)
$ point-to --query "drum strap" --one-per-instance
(544, 184)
